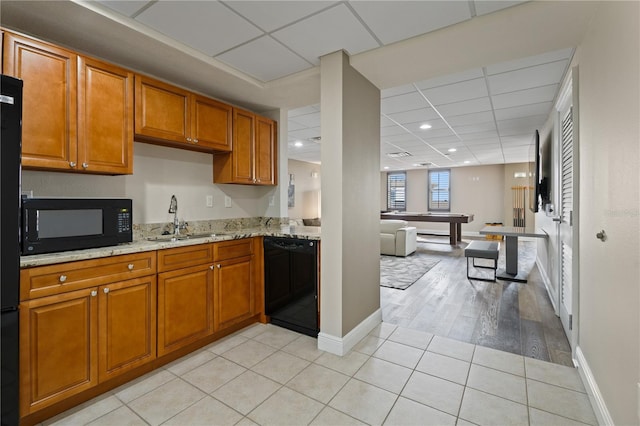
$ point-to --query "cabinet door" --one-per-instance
(127, 325)
(105, 119)
(211, 124)
(185, 307)
(58, 348)
(243, 142)
(265, 151)
(161, 110)
(49, 101)
(234, 291)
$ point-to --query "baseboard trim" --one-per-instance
(553, 295)
(341, 345)
(589, 381)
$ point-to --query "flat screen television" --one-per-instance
(534, 173)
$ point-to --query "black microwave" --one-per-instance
(60, 224)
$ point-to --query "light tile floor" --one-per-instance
(267, 375)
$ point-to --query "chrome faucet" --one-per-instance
(173, 208)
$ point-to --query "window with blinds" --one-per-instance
(396, 191)
(439, 190)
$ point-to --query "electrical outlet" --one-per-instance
(227, 201)
(272, 201)
(209, 200)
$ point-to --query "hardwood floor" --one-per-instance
(508, 316)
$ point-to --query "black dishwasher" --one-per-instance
(291, 283)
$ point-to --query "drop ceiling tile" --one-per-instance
(425, 115)
(395, 91)
(480, 136)
(306, 133)
(392, 131)
(199, 24)
(543, 108)
(127, 8)
(272, 15)
(530, 61)
(465, 107)
(442, 140)
(308, 120)
(303, 110)
(264, 59)
(527, 78)
(475, 128)
(437, 133)
(393, 21)
(385, 122)
(329, 31)
(516, 140)
(450, 78)
(400, 138)
(524, 124)
(524, 97)
(465, 90)
(484, 7)
(401, 103)
(292, 125)
(467, 119)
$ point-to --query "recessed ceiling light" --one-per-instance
(298, 144)
(467, 162)
(425, 126)
(452, 150)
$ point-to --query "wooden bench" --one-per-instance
(482, 250)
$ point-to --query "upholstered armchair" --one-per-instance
(397, 238)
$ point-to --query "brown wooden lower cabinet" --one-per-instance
(77, 344)
(185, 307)
(75, 340)
(58, 348)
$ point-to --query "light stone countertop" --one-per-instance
(138, 246)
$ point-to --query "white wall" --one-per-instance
(159, 172)
(609, 126)
(350, 276)
(307, 189)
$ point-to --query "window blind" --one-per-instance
(439, 190)
(396, 191)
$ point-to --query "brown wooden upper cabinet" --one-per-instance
(253, 159)
(77, 111)
(168, 115)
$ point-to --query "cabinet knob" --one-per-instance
(85, 165)
(72, 164)
(130, 266)
(62, 278)
(211, 267)
(218, 266)
(188, 139)
(195, 141)
(106, 290)
(94, 293)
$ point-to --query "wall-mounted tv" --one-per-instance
(539, 173)
(534, 173)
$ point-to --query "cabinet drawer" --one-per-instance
(54, 279)
(232, 249)
(182, 257)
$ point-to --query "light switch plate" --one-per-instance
(272, 201)
(209, 200)
(227, 201)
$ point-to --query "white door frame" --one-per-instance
(568, 98)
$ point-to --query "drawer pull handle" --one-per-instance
(62, 278)
(106, 290)
(94, 293)
(130, 266)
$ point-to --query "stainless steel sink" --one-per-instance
(173, 238)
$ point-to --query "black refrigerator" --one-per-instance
(10, 148)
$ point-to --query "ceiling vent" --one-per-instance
(398, 154)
